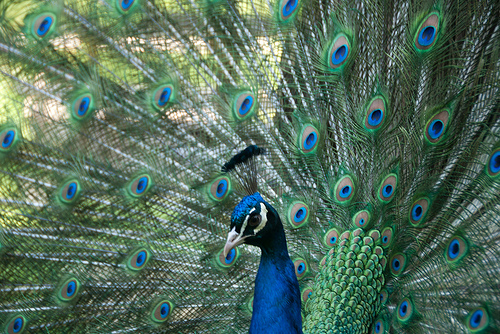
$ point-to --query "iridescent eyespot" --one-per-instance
(82, 107)
(379, 327)
(478, 320)
(427, 33)
(308, 139)
(162, 96)
(244, 105)
(8, 139)
(301, 268)
(387, 237)
(16, 325)
(361, 219)
(375, 114)
(405, 310)
(43, 25)
(230, 259)
(387, 188)
(344, 190)
(493, 165)
(339, 51)
(418, 211)
(139, 185)
(298, 214)
(331, 237)
(220, 188)
(68, 290)
(436, 126)
(384, 295)
(162, 311)
(457, 248)
(306, 294)
(138, 259)
(70, 191)
(288, 8)
(398, 264)
(126, 6)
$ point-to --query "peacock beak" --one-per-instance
(233, 239)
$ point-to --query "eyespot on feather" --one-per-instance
(308, 139)
(16, 325)
(220, 188)
(339, 52)
(126, 6)
(398, 264)
(139, 185)
(162, 311)
(229, 260)
(387, 235)
(427, 33)
(387, 188)
(331, 238)
(375, 114)
(418, 211)
(138, 259)
(405, 310)
(43, 25)
(298, 214)
(493, 164)
(301, 268)
(163, 96)
(436, 126)
(477, 320)
(344, 190)
(379, 327)
(9, 137)
(361, 219)
(306, 294)
(288, 9)
(384, 295)
(70, 191)
(244, 105)
(456, 249)
(82, 107)
(68, 290)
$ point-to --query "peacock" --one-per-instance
(262, 166)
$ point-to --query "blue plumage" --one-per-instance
(277, 297)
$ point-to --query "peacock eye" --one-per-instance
(427, 33)
(163, 96)
(82, 107)
(436, 126)
(8, 139)
(125, 6)
(308, 139)
(375, 114)
(244, 105)
(69, 290)
(16, 325)
(43, 25)
(254, 220)
(162, 311)
(339, 51)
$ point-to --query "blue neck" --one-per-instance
(276, 304)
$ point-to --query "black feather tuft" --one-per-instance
(242, 157)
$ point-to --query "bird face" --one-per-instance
(250, 221)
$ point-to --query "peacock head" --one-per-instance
(252, 222)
